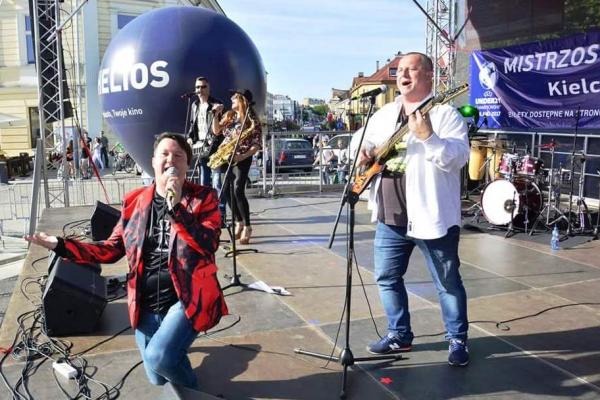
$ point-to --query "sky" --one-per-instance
(310, 46)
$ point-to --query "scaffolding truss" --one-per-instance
(51, 106)
(441, 41)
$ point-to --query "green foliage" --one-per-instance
(321, 109)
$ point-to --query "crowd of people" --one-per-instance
(169, 231)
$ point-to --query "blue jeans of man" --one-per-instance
(164, 342)
(218, 178)
(205, 172)
(393, 249)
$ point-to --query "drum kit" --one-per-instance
(511, 186)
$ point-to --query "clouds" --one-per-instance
(311, 46)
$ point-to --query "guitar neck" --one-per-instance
(384, 150)
(388, 147)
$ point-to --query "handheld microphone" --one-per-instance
(171, 171)
(188, 95)
(371, 93)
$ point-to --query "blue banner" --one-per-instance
(539, 85)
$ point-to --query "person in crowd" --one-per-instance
(84, 159)
(324, 159)
(416, 202)
(70, 162)
(343, 162)
(169, 232)
(97, 153)
(200, 132)
(104, 149)
(240, 122)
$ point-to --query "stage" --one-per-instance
(550, 349)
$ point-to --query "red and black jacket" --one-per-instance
(195, 231)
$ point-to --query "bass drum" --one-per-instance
(504, 201)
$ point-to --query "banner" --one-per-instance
(539, 85)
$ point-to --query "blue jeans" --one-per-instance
(164, 342)
(392, 253)
(205, 172)
(217, 183)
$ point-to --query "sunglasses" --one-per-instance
(201, 86)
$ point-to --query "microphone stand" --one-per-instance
(228, 183)
(346, 358)
(569, 222)
(187, 116)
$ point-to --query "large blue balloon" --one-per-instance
(156, 58)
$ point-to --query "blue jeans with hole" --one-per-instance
(205, 172)
(218, 178)
(164, 342)
(392, 253)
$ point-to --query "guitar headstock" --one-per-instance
(450, 94)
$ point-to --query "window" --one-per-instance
(29, 41)
(393, 72)
(123, 19)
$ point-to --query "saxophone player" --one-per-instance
(230, 127)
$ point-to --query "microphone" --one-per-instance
(214, 107)
(371, 93)
(171, 171)
(188, 95)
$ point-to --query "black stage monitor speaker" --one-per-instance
(103, 220)
(74, 298)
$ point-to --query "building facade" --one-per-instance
(358, 108)
(284, 108)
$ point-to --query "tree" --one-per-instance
(321, 109)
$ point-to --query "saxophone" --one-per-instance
(225, 150)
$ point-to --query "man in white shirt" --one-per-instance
(416, 202)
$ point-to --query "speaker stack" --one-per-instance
(74, 297)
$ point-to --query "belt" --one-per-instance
(391, 174)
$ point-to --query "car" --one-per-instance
(333, 143)
(291, 154)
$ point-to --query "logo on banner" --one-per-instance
(488, 75)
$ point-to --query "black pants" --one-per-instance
(240, 176)
(104, 155)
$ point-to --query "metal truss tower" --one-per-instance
(51, 106)
(440, 41)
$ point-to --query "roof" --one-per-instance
(340, 93)
(382, 75)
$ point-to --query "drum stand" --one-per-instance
(553, 199)
(513, 206)
(582, 212)
(476, 209)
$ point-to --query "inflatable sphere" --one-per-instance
(155, 59)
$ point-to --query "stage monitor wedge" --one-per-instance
(103, 221)
(74, 298)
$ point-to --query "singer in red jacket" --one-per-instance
(169, 233)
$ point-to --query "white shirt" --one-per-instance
(202, 120)
(432, 170)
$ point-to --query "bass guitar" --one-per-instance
(365, 173)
